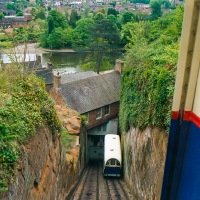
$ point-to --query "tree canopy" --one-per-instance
(104, 37)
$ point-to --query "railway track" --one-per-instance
(93, 186)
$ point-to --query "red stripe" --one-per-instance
(190, 116)
(175, 115)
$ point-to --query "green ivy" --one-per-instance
(149, 74)
(27, 108)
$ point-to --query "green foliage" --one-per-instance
(40, 14)
(113, 3)
(156, 10)
(112, 11)
(127, 17)
(50, 24)
(58, 18)
(140, 1)
(73, 18)
(20, 13)
(68, 141)
(1, 15)
(104, 37)
(80, 33)
(149, 74)
(24, 106)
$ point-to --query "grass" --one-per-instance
(68, 141)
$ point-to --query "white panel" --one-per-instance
(196, 108)
(194, 69)
(183, 55)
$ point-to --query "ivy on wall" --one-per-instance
(24, 107)
(149, 74)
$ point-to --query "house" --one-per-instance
(13, 22)
(96, 97)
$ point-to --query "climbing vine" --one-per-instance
(26, 108)
(149, 75)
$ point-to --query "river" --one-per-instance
(64, 61)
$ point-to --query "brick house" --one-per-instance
(97, 97)
(13, 22)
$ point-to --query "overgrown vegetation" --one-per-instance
(149, 75)
(68, 141)
(24, 107)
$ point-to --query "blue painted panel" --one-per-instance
(170, 159)
(189, 187)
(112, 170)
(181, 146)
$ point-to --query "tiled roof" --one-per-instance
(91, 93)
(65, 78)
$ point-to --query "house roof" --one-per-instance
(65, 78)
(91, 93)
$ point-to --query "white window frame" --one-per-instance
(107, 108)
(99, 113)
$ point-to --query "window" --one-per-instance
(106, 110)
(98, 113)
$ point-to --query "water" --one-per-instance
(68, 62)
(64, 62)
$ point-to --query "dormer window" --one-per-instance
(107, 110)
(99, 113)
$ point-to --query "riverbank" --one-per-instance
(33, 48)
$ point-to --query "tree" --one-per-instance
(50, 24)
(102, 43)
(86, 11)
(127, 17)
(156, 10)
(58, 18)
(112, 18)
(112, 11)
(20, 13)
(80, 33)
(73, 18)
(1, 15)
(54, 40)
(10, 6)
(40, 14)
(68, 37)
(113, 3)
(99, 16)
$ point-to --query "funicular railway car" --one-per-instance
(182, 168)
(112, 156)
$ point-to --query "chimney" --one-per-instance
(57, 81)
(119, 64)
(38, 60)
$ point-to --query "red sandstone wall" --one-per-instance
(144, 160)
(44, 171)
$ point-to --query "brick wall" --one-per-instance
(92, 121)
